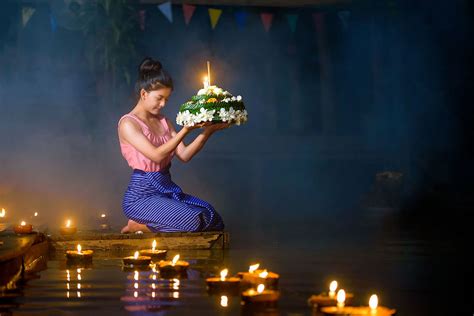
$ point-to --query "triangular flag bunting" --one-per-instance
(26, 14)
(214, 15)
(141, 19)
(241, 18)
(188, 11)
(292, 20)
(267, 19)
(166, 9)
(52, 21)
(344, 17)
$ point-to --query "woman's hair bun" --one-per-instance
(149, 67)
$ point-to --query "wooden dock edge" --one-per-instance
(170, 241)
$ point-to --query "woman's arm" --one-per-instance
(131, 132)
(186, 153)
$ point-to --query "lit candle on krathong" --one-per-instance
(68, 229)
(223, 283)
(328, 299)
(136, 260)
(155, 254)
(79, 255)
(173, 268)
(23, 228)
(205, 82)
(261, 295)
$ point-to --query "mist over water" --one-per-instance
(394, 76)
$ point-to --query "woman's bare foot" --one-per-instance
(133, 226)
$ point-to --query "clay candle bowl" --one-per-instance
(270, 279)
(372, 310)
(79, 255)
(155, 254)
(23, 228)
(68, 229)
(260, 296)
(328, 299)
(136, 260)
(340, 308)
(175, 267)
(223, 284)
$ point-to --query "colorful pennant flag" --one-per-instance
(292, 20)
(141, 19)
(52, 22)
(214, 15)
(188, 11)
(344, 17)
(241, 18)
(26, 14)
(267, 19)
(166, 9)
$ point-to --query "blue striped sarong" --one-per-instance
(153, 199)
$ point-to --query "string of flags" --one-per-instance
(240, 16)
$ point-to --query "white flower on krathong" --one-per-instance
(227, 116)
(185, 118)
(233, 99)
(239, 98)
(241, 117)
(202, 91)
(204, 115)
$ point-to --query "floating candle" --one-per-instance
(3, 225)
(136, 260)
(155, 254)
(372, 310)
(79, 255)
(223, 283)
(261, 295)
(68, 229)
(174, 267)
(328, 299)
(258, 276)
(23, 228)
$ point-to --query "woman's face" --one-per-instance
(155, 100)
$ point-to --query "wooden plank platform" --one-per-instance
(97, 240)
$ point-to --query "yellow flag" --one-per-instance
(26, 14)
(214, 15)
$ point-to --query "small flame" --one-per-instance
(373, 301)
(36, 214)
(341, 297)
(224, 274)
(103, 215)
(175, 294)
(135, 294)
(135, 255)
(333, 286)
(153, 245)
(2, 213)
(135, 275)
(175, 259)
(68, 223)
(260, 288)
(79, 277)
(79, 248)
(23, 223)
(263, 274)
(224, 301)
(254, 267)
(135, 285)
(205, 82)
(176, 284)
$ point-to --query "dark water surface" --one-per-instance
(416, 271)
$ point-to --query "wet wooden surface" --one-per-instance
(97, 240)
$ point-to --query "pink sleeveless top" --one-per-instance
(135, 159)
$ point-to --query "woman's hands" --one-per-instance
(215, 127)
